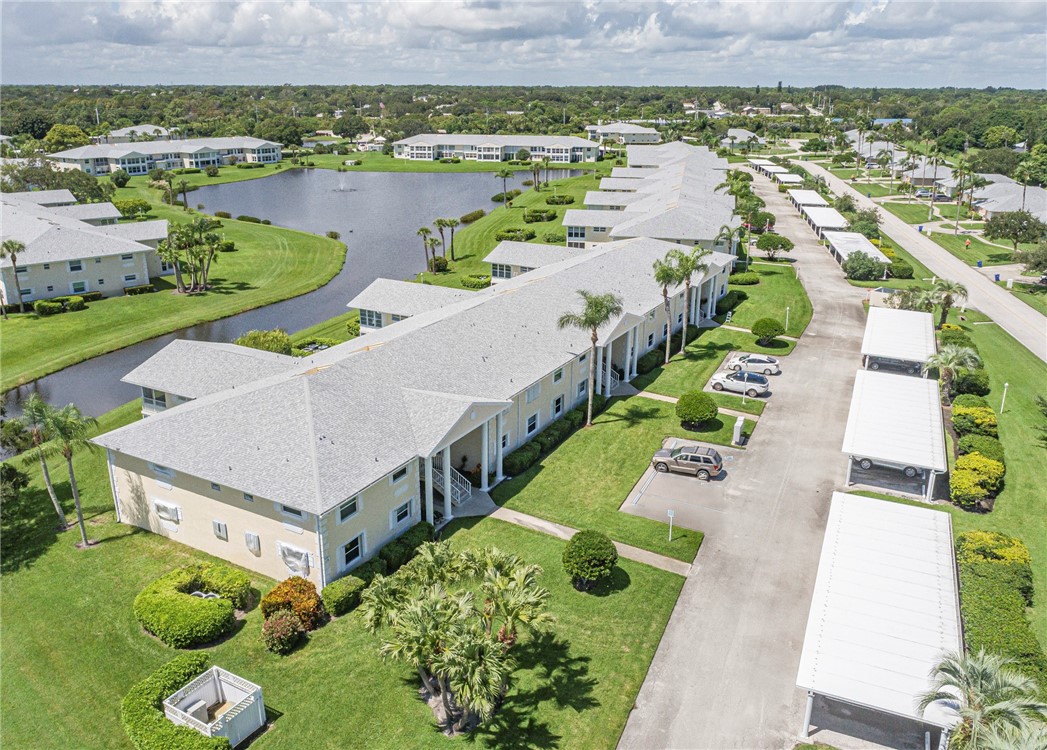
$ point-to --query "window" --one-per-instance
(399, 474)
(679, 318)
(127, 256)
(558, 406)
(98, 260)
(47, 267)
(216, 487)
(348, 509)
(533, 391)
(101, 282)
(505, 441)
(532, 424)
(582, 357)
(501, 271)
(352, 551)
(525, 269)
(27, 292)
(665, 330)
(25, 269)
(601, 230)
(50, 288)
(582, 386)
(153, 398)
(76, 265)
(78, 287)
(576, 233)
(397, 318)
(558, 375)
(220, 530)
(399, 515)
(650, 339)
(249, 497)
(296, 560)
(127, 277)
(370, 319)
(289, 511)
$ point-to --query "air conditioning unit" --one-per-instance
(253, 542)
(198, 711)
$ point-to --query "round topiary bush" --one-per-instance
(744, 278)
(297, 595)
(696, 408)
(589, 557)
(282, 631)
(167, 609)
(766, 330)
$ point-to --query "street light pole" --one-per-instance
(1003, 400)
(786, 317)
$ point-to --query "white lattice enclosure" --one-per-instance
(218, 704)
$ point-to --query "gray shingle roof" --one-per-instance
(153, 148)
(138, 231)
(530, 254)
(466, 139)
(43, 197)
(405, 297)
(614, 128)
(88, 211)
(143, 129)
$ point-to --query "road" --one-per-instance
(724, 674)
(1021, 321)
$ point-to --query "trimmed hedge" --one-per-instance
(974, 420)
(353, 328)
(521, 459)
(250, 165)
(533, 215)
(438, 264)
(343, 595)
(987, 446)
(167, 609)
(74, 304)
(899, 269)
(91, 296)
(695, 408)
(472, 216)
(766, 330)
(966, 490)
(373, 567)
(43, 307)
(744, 278)
(399, 552)
(650, 361)
(957, 338)
(516, 234)
(476, 281)
(223, 215)
(989, 471)
(972, 381)
(296, 595)
(282, 632)
(142, 715)
(588, 557)
(559, 200)
(554, 238)
(970, 399)
(506, 196)
(140, 289)
(249, 219)
(729, 301)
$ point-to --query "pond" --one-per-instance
(377, 215)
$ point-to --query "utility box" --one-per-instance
(739, 425)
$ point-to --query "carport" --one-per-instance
(801, 198)
(903, 338)
(885, 610)
(896, 422)
(842, 244)
(788, 178)
(822, 218)
(772, 169)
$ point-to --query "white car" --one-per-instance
(754, 363)
(749, 383)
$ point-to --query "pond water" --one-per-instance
(377, 215)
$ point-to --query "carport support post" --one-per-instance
(850, 465)
(499, 451)
(807, 716)
(485, 455)
(930, 484)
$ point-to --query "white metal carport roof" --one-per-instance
(899, 334)
(884, 609)
(823, 217)
(773, 169)
(788, 178)
(845, 243)
(807, 198)
(896, 419)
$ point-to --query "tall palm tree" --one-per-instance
(516, 599)
(415, 638)
(597, 310)
(546, 166)
(536, 174)
(425, 233)
(667, 274)
(452, 224)
(505, 175)
(183, 188)
(431, 244)
(1006, 737)
(731, 235)
(948, 360)
(935, 153)
(1022, 173)
(170, 252)
(477, 668)
(34, 419)
(70, 429)
(962, 173)
(987, 693)
(440, 225)
(947, 293)
(689, 263)
(11, 249)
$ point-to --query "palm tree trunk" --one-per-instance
(179, 282)
(452, 244)
(946, 374)
(51, 489)
(668, 317)
(445, 696)
(944, 315)
(18, 287)
(76, 497)
(592, 379)
(426, 680)
(686, 309)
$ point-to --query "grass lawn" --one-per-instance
(948, 211)
(989, 255)
(692, 370)
(332, 328)
(778, 288)
(874, 189)
(374, 161)
(588, 476)
(270, 264)
(72, 647)
(910, 213)
(844, 173)
(1034, 295)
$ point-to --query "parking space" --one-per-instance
(886, 478)
(726, 369)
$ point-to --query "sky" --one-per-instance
(887, 43)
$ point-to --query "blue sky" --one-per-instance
(926, 43)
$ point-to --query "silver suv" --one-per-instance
(702, 462)
(749, 383)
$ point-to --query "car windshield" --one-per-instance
(676, 452)
(754, 378)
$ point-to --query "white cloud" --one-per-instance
(857, 42)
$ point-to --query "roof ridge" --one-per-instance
(315, 464)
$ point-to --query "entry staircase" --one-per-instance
(608, 372)
(461, 488)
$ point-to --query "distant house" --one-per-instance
(1005, 197)
(625, 133)
(140, 157)
(144, 132)
(739, 137)
(880, 122)
(556, 148)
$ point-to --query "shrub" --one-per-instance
(554, 237)
(521, 459)
(695, 408)
(516, 234)
(120, 178)
(156, 174)
(282, 632)
(861, 266)
(438, 264)
(252, 165)
(91, 296)
(527, 183)
(343, 595)
(589, 557)
(647, 362)
(987, 446)
(45, 307)
(899, 269)
(772, 244)
(75, 303)
(533, 215)
(374, 567)
(211, 170)
(472, 216)
(132, 207)
(333, 235)
(297, 595)
(553, 435)
(506, 196)
(957, 338)
(476, 281)
(950, 327)
(965, 489)
(140, 289)
(249, 219)
(142, 715)
(266, 222)
(729, 301)
(223, 215)
(971, 381)
(974, 420)
(970, 399)
(573, 419)
(767, 329)
(277, 340)
(353, 328)
(187, 170)
(226, 246)
(972, 546)
(167, 609)
(744, 278)
(989, 471)
(559, 200)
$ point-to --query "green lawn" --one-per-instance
(1034, 295)
(374, 161)
(332, 328)
(948, 211)
(989, 255)
(72, 647)
(692, 370)
(844, 173)
(778, 288)
(270, 264)
(910, 213)
(875, 189)
(583, 482)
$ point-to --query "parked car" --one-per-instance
(867, 463)
(703, 463)
(886, 363)
(748, 383)
(754, 363)
(941, 197)
(922, 193)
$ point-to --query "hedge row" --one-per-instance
(559, 200)
(142, 715)
(250, 165)
(516, 234)
(472, 216)
(533, 215)
(397, 552)
(729, 301)
(524, 457)
(140, 289)
(744, 278)
(167, 609)
(476, 281)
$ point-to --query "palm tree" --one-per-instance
(1022, 173)
(935, 154)
(504, 175)
(430, 247)
(34, 419)
(689, 262)
(11, 249)
(70, 429)
(1006, 737)
(516, 599)
(986, 692)
(546, 166)
(170, 252)
(731, 235)
(948, 360)
(598, 309)
(440, 225)
(415, 638)
(425, 233)
(183, 188)
(667, 274)
(536, 174)
(452, 224)
(947, 293)
(962, 173)
(477, 669)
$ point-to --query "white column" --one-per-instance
(429, 489)
(607, 380)
(499, 451)
(485, 455)
(712, 300)
(807, 716)
(637, 333)
(630, 341)
(598, 375)
(447, 483)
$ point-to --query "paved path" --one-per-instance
(729, 327)
(724, 674)
(1017, 318)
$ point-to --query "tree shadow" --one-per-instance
(28, 528)
(221, 286)
(618, 581)
(633, 414)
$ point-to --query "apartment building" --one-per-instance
(192, 153)
(561, 149)
(625, 133)
(312, 465)
(135, 133)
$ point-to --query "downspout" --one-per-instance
(321, 528)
